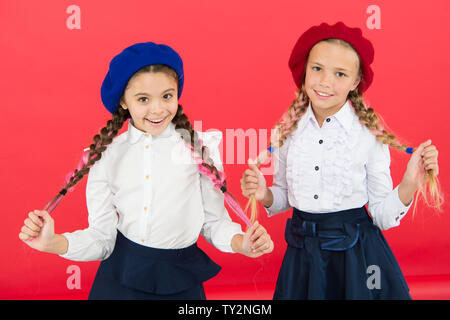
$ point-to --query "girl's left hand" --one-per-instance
(256, 241)
(424, 158)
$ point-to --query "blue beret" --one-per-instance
(130, 60)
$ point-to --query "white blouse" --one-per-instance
(150, 189)
(335, 167)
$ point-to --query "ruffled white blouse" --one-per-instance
(150, 189)
(335, 167)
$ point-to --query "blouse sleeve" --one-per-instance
(385, 205)
(218, 228)
(97, 241)
(279, 186)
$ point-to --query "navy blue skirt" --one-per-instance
(339, 255)
(136, 272)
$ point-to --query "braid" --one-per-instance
(368, 118)
(205, 163)
(286, 125)
(181, 121)
(430, 189)
(101, 141)
(290, 118)
(284, 128)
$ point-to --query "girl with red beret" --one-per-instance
(332, 158)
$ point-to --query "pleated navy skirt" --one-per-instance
(339, 255)
(137, 272)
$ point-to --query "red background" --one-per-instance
(235, 55)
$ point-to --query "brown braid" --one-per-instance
(101, 141)
(190, 136)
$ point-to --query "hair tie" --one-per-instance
(409, 150)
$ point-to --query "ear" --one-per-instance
(123, 104)
(356, 83)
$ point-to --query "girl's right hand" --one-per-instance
(38, 230)
(253, 182)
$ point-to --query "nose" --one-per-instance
(155, 107)
(325, 79)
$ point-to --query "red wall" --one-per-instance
(235, 55)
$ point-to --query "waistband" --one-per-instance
(336, 231)
(358, 215)
(123, 243)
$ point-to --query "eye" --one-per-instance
(341, 75)
(143, 99)
(167, 96)
(316, 68)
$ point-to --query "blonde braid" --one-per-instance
(430, 189)
(369, 118)
(284, 128)
(291, 117)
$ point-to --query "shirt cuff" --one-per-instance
(235, 229)
(280, 202)
(68, 253)
(230, 248)
(400, 209)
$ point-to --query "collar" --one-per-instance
(134, 134)
(306, 118)
(344, 116)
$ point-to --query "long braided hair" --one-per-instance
(182, 123)
(430, 190)
(99, 144)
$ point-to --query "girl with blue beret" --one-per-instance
(150, 191)
(332, 158)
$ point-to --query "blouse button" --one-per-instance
(328, 120)
(320, 141)
(316, 196)
(147, 146)
(145, 208)
(147, 176)
(316, 168)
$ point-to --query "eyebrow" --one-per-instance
(343, 69)
(146, 94)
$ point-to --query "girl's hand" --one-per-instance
(38, 230)
(424, 158)
(253, 182)
(256, 241)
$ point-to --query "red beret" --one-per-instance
(353, 36)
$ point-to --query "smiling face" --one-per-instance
(151, 99)
(332, 71)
